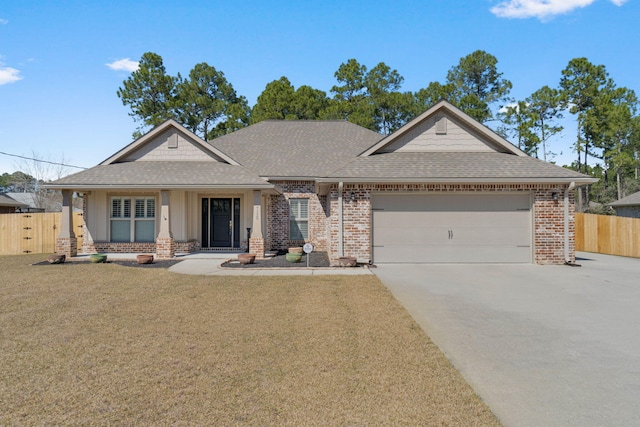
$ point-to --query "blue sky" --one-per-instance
(58, 92)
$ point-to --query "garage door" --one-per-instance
(452, 228)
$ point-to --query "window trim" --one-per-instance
(298, 220)
(149, 211)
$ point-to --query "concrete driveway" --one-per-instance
(541, 345)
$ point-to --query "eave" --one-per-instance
(578, 181)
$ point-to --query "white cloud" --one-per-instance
(541, 9)
(9, 75)
(125, 64)
(3, 21)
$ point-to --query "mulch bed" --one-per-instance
(316, 259)
(125, 263)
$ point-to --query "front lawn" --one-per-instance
(108, 344)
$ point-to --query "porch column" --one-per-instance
(256, 241)
(87, 239)
(67, 243)
(165, 245)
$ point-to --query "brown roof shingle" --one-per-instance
(160, 174)
(425, 166)
(288, 148)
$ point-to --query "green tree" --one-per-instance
(425, 98)
(351, 100)
(149, 92)
(309, 103)
(519, 121)
(276, 102)
(391, 108)
(370, 98)
(207, 104)
(613, 121)
(545, 106)
(476, 85)
(581, 84)
(352, 76)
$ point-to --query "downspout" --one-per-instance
(571, 186)
(340, 225)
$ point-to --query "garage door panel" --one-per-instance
(394, 218)
(398, 236)
(452, 228)
(452, 202)
(490, 236)
(451, 254)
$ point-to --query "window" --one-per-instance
(298, 219)
(133, 225)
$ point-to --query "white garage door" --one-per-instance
(452, 228)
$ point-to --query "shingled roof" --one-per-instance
(163, 174)
(288, 148)
(6, 200)
(631, 200)
(452, 167)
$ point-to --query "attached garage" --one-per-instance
(452, 228)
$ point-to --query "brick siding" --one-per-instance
(548, 216)
(277, 232)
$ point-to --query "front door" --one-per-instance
(220, 222)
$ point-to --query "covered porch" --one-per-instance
(167, 222)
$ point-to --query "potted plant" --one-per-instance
(246, 258)
(347, 261)
(56, 258)
(293, 257)
(144, 259)
(98, 258)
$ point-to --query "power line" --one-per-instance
(42, 161)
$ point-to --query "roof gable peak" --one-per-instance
(429, 132)
(126, 153)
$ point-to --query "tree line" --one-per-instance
(608, 127)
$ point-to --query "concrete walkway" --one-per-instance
(541, 345)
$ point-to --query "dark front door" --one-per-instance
(220, 222)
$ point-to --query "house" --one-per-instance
(10, 205)
(443, 188)
(628, 206)
(32, 202)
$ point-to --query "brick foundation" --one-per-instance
(120, 248)
(67, 246)
(165, 248)
(256, 246)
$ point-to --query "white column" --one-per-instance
(165, 223)
(256, 230)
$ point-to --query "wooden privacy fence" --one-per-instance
(613, 235)
(24, 233)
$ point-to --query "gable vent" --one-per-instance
(173, 141)
(441, 125)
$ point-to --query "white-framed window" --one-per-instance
(298, 219)
(133, 219)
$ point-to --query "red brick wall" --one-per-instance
(277, 232)
(548, 216)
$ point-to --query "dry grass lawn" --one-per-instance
(107, 344)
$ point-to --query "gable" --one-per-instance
(169, 141)
(437, 133)
(443, 128)
(170, 145)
